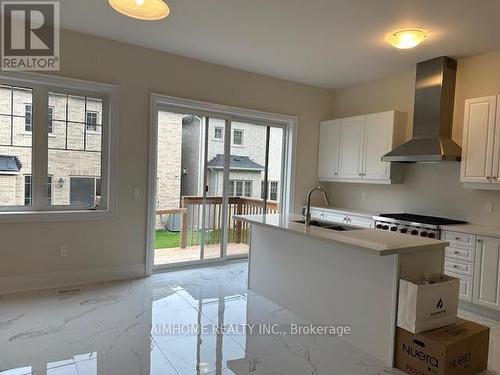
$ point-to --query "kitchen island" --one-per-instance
(337, 277)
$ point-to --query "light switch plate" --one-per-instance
(488, 207)
(364, 196)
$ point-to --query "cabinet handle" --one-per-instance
(457, 238)
(495, 177)
(488, 177)
(335, 173)
(456, 252)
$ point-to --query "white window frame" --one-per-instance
(242, 137)
(234, 114)
(40, 210)
(221, 139)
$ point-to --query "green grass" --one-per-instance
(167, 240)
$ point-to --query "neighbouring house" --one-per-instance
(74, 148)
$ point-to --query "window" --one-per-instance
(28, 118)
(28, 191)
(85, 191)
(239, 188)
(219, 133)
(50, 124)
(272, 191)
(91, 121)
(63, 151)
(238, 137)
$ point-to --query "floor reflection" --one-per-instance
(134, 327)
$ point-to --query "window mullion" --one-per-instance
(40, 148)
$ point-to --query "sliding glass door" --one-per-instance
(210, 168)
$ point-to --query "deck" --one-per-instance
(191, 253)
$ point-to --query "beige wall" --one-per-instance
(428, 188)
(33, 247)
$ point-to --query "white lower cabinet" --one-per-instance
(475, 260)
(487, 272)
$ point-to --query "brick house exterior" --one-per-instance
(74, 141)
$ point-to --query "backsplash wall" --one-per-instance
(432, 189)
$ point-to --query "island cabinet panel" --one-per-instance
(480, 167)
(351, 149)
(336, 283)
(487, 272)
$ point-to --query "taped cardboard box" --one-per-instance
(427, 303)
(458, 349)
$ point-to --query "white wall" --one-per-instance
(31, 248)
(428, 188)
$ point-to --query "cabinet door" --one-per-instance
(351, 147)
(478, 139)
(329, 146)
(487, 272)
(496, 147)
(377, 142)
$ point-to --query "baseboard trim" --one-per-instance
(25, 283)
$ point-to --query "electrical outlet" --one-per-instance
(364, 196)
(137, 193)
(488, 207)
(63, 251)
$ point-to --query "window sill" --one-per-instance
(54, 216)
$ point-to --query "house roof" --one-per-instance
(10, 164)
(237, 163)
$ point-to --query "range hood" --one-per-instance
(433, 116)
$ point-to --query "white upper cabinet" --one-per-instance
(351, 149)
(351, 146)
(481, 141)
(329, 147)
(378, 141)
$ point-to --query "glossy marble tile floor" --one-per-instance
(164, 325)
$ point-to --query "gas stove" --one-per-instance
(415, 225)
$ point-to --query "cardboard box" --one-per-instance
(427, 303)
(458, 349)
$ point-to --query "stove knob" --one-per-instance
(394, 229)
(404, 230)
(432, 235)
(380, 226)
(414, 232)
(385, 227)
(424, 234)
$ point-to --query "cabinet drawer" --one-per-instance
(336, 217)
(465, 290)
(461, 239)
(458, 266)
(461, 253)
(360, 221)
(317, 214)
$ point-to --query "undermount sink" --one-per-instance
(332, 226)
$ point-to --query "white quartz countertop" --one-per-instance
(368, 240)
(484, 230)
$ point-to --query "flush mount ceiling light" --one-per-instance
(406, 39)
(141, 9)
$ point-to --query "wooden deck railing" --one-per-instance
(192, 218)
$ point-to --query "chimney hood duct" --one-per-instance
(433, 116)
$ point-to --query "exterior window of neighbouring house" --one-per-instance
(50, 123)
(28, 187)
(240, 188)
(219, 133)
(238, 137)
(28, 117)
(91, 121)
(273, 190)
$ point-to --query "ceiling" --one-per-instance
(325, 43)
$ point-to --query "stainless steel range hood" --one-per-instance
(433, 116)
